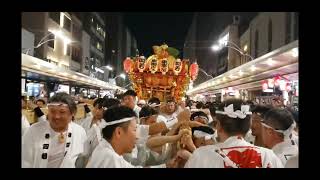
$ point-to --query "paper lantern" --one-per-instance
(127, 64)
(270, 83)
(276, 81)
(177, 66)
(264, 85)
(194, 68)
(164, 67)
(282, 85)
(288, 87)
(141, 63)
(153, 65)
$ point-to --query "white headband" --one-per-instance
(58, 104)
(120, 121)
(286, 133)
(153, 105)
(200, 134)
(236, 114)
(202, 117)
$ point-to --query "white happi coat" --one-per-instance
(24, 124)
(285, 150)
(249, 137)
(38, 144)
(293, 162)
(94, 135)
(240, 152)
(86, 122)
(104, 156)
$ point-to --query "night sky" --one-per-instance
(157, 28)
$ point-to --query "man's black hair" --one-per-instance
(109, 102)
(116, 113)
(279, 119)
(261, 109)
(130, 93)
(98, 102)
(147, 111)
(198, 113)
(64, 98)
(233, 126)
(205, 129)
(41, 100)
(154, 100)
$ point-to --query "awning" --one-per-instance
(36, 68)
(282, 61)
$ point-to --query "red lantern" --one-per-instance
(127, 63)
(264, 85)
(194, 68)
(277, 81)
(282, 85)
(288, 87)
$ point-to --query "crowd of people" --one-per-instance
(128, 133)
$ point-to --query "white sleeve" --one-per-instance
(271, 160)
(27, 149)
(42, 118)
(142, 131)
(24, 124)
(170, 122)
(88, 144)
(161, 118)
(159, 166)
(210, 118)
(293, 162)
(193, 160)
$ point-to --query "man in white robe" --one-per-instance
(233, 151)
(93, 125)
(278, 125)
(24, 124)
(119, 137)
(254, 135)
(56, 142)
(130, 100)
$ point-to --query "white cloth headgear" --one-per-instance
(286, 133)
(58, 104)
(229, 111)
(202, 117)
(120, 121)
(153, 105)
(200, 134)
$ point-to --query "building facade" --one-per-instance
(55, 36)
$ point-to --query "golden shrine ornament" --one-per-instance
(161, 74)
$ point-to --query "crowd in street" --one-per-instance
(128, 132)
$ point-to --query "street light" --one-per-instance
(205, 72)
(123, 76)
(217, 48)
